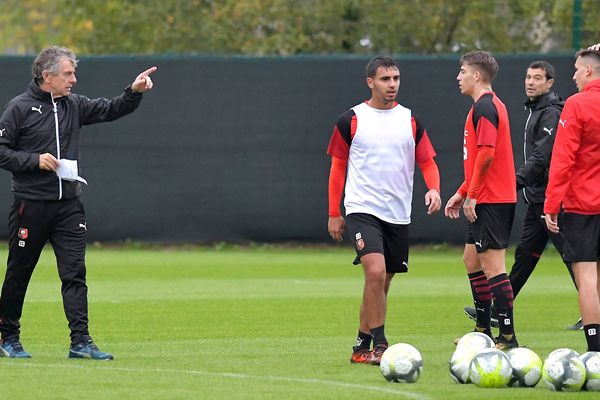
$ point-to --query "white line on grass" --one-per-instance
(402, 393)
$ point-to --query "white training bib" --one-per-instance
(381, 164)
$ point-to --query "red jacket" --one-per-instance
(574, 178)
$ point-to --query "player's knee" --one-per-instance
(375, 280)
(471, 264)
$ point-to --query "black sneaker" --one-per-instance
(505, 345)
(577, 326)
(472, 313)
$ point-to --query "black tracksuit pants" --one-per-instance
(31, 224)
(532, 243)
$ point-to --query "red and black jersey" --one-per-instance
(487, 125)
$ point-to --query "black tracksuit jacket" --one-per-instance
(540, 131)
(32, 124)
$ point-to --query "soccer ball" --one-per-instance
(563, 353)
(401, 362)
(476, 341)
(591, 361)
(459, 364)
(563, 371)
(490, 368)
(527, 367)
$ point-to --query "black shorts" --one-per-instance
(582, 236)
(369, 234)
(491, 229)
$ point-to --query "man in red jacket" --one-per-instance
(573, 184)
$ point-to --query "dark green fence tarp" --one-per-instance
(233, 149)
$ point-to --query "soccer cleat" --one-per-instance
(361, 356)
(504, 344)
(13, 349)
(88, 349)
(472, 313)
(377, 353)
(577, 326)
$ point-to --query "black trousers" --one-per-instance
(532, 243)
(31, 224)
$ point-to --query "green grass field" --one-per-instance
(264, 323)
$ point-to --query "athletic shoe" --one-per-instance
(13, 349)
(487, 332)
(361, 356)
(472, 313)
(503, 344)
(377, 353)
(89, 350)
(577, 326)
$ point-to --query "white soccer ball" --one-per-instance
(591, 361)
(459, 364)
(490, 368)
(476, 341)
(527, 367)
(563, 352)
(563, 371)
(401, 362)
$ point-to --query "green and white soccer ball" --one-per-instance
(591, 362)
(527, 367)
(490, 368)
(475, 341)
(459, 364)
(563, 352)
(466, 348)
(563, 371)
(401, 362)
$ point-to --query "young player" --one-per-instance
(543, 107)
(487, 195)
(374, 148)
(572, 185)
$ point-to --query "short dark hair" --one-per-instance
(483, 61)
(49, 60)
(380, 61)
(588, 53)
(546, 66)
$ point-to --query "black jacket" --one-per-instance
(28, 129)
(540, 131)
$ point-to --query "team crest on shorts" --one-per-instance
(23, 233)
(360, 243)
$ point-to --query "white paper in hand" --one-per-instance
(67, 170)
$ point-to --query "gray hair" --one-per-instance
(49, 60)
